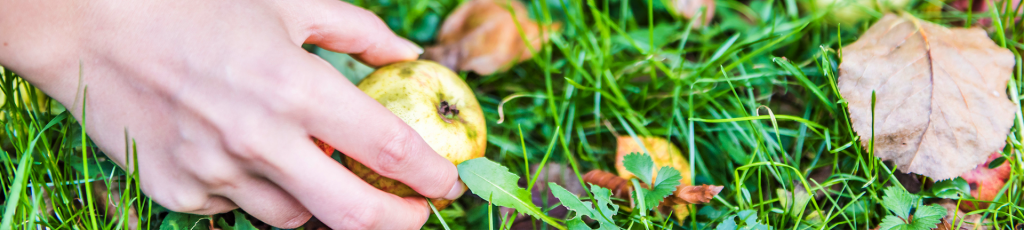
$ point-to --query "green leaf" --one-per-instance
(485, 178)
(926, 217)
(570, 201)
(664, 185)
(641, 165)
(601, 195)
(577, 224)
(177, 220)
(903, 204)
(712, 212)
(349, 67)
(728, 224)
(996, 163)
(241, 223)
(899, 201)
(950, 188)
(747, 217)
(604, 201)
(891, 222)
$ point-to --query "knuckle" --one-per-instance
(359, 217)
(174, 198)
(182, 201)
(296, 221)
(289, 94)
(395, 152)
(218, 179)
(247, 148)
(292, 97)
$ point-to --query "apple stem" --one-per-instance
(448, 111)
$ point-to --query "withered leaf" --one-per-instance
(941, 103)
(699, 194)
(481, 36)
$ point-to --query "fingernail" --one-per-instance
(456, 191)
(411, 46)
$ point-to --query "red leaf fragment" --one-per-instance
(985, 182)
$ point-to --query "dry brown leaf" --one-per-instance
(985, 182)
(956, 217)
(943, 226)
(700, 194)
(620, 187)
(689, 8)
(941, 94)
(481, 36)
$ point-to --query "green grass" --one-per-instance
(752, 100)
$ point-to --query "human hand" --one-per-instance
(222, 101)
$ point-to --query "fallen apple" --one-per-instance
(436, 103)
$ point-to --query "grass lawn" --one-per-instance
(751, 100)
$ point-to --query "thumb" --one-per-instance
(342, 27)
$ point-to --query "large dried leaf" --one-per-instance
(941, 94)
(481, 36)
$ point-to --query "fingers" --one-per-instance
(267, 202)
(364, 130)
(335, 195)
(341, 27)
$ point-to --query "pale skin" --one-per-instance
(222, 102)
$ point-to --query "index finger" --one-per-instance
(372, 135)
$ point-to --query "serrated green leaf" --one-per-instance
(570, 200)
(667, 174)
(901, 203)
(898, 201)
(728, 224)
(749, 217)
(640, 164)
(485, 178)
(177, 220)
(891, 222)
(601, 195)
(664, 185)
(577, 224)
(927, 216)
